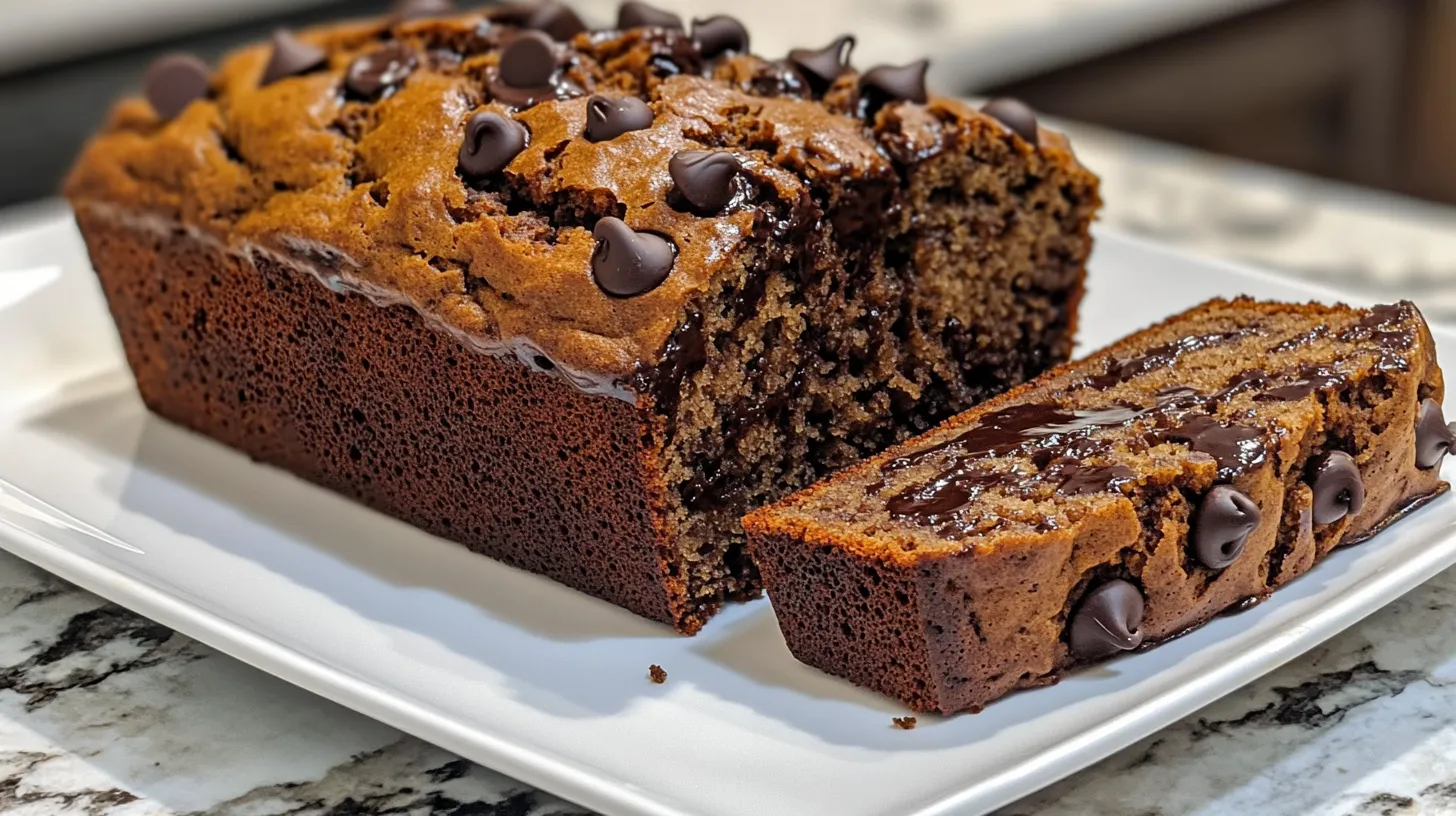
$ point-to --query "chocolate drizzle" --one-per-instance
(1067, 452)
(1390, 329)
(951, 490)
(1123, 369)
(1021, 426)
(1236, 448)
(1034, 427)
(1309, 382)
(1300, 340)
(1081, 480)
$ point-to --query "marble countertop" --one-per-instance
(103, 713)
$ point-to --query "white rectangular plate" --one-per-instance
(549, 685)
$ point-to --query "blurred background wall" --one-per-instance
(1359, 90)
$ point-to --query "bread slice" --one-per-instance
(1110, 504)
(575, 299)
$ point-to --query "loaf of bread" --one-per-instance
(1110, 504)
(576, 299)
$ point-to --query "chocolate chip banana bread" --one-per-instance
(1110, 504)
(576, 299)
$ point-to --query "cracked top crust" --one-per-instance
(366, 192)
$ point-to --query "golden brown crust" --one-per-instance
(296, 165)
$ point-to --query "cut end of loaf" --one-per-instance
(830, 342)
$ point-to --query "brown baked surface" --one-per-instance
(304, 271)
(976, 559)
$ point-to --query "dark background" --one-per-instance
(48, 111)
(1358, 90)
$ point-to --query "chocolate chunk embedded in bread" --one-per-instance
(577, 300)
(1109, 504)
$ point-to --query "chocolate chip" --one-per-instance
(1222, 525)
(1433, 436)
(718, 35)
(528, 61)
(527, 72)
(640, 15)
(1108, 621)
(555, 19)
(291, 57)
(627, 263)
(413, 9)
(705, 177)
(895, 83)
(1338, 489)
(779, 78)
(1016, 115)
(173, 82)
(380, 72)
(491, 142)
(608, 118)
(825, 65)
